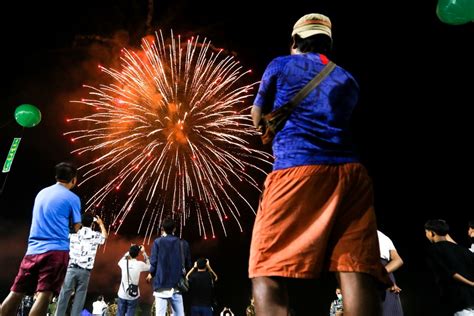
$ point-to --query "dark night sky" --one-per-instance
(412, 124)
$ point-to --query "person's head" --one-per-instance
(87, 219)
(339, 293)
(134, 251)
(312, 33)
(436, 228)
(201, 263)
(169, 225)
(66, 173)
(470, 230)
(100, 298)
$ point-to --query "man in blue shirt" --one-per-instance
(43, 268)
(166, 269)
(316, 212)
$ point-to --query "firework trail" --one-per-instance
(170, 131)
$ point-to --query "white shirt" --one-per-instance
(385, 245)
(135, 267)
(83, 247)
(98, 307)
(472, 248)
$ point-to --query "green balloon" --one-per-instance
(455, 12)
(27, 115)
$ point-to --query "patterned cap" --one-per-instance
(312, 24)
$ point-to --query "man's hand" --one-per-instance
(395, 289)
(99, 221)
(148, 278)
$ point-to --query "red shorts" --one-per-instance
(316, 218)
(41, 273)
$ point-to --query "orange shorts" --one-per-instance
(316, 218)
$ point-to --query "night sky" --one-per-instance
(412, 125)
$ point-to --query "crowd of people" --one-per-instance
(316, 215)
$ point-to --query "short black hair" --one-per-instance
(319, 43)
(65, 172)
(471, 224)
(134, 251)
(439, 226)
(87, 219)
(100, 297)
(169, 225)
(201, 263)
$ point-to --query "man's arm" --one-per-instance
(153, 260)
(395, 261)
(210, 270)
(103, 231)
(462, 279)
(256, 113)
(146, 259)
(76, 227)
(191, 271)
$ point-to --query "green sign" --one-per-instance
(11, 154)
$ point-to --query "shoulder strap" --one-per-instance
(128, 275)
(311, 85)
(182, 255)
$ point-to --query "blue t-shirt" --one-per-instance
(55, 208)
(318, 129)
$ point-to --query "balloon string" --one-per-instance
(6, 123)
(4, 182)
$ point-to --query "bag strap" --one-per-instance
(128, 275)
(182, 256)
(303, 93)
(128, 278)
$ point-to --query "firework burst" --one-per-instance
(168, 137)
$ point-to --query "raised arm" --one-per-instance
(208, 265)
(191, 271)
(103, 231)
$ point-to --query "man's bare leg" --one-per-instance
(360, 294)
(40, 306)
(271, 296)
(11, 303)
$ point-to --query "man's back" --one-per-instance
(84, 246)
(166, 263)
(201, 286)
(448, 258)
(317, 131)
(54, 206)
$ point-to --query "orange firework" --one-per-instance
(170, 131)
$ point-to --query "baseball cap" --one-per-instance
(312, 24)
